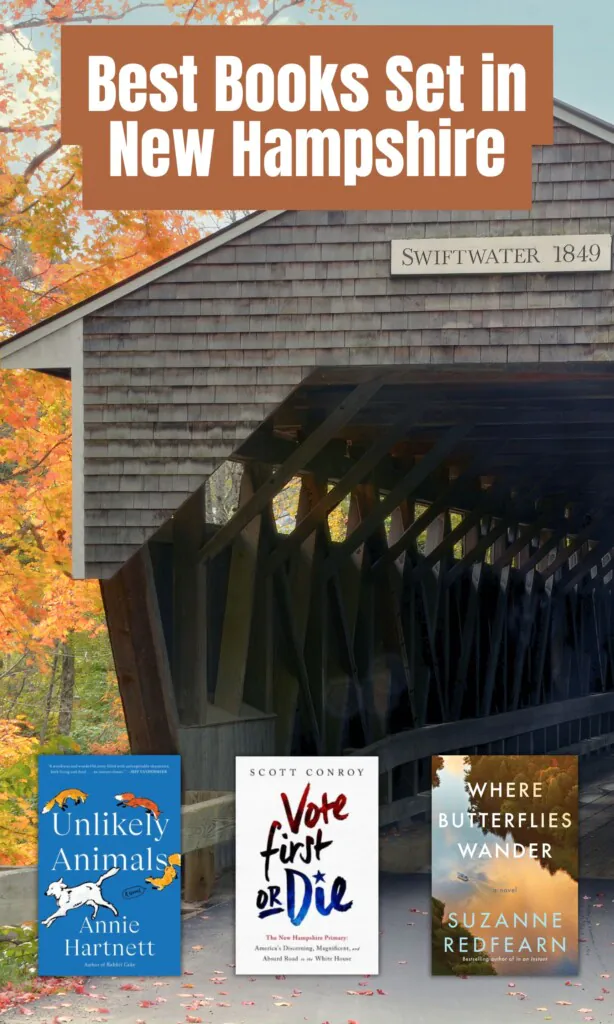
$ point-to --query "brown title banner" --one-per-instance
(339, 117)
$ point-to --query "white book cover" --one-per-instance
(307, 871)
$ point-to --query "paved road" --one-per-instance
(412, 996)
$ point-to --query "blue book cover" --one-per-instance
(109, 886)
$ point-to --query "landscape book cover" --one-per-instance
(109, 865)
(505, 865)
(307, 851)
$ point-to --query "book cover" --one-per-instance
(109, 887)
(505, 865)
(307, 852)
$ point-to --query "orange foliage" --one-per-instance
(52, 252)
(119, 745)
(17, 795)
(39, 601)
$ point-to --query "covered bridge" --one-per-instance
(465, 423)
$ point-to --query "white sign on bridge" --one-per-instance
(521, 254)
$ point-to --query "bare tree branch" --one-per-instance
(40, 158)
(35, 465)
(67, 19)
(279, 10)
(18, 129)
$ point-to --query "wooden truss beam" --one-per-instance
(140, 656)
(239, 605)
(189, 661)
(577, 572)
(297, 461)
(357, 473)
(565, 554)
(405, 487)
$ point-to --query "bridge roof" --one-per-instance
(175, 369)
(563, 112)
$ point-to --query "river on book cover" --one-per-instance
(504, 865)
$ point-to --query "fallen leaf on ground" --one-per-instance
(283, 1004)
(193, 1020)
(197, 948)
(130, 988)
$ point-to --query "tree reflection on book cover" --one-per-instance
(505, 865)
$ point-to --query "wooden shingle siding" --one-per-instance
(182, 370)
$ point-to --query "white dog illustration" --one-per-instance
(88, 894)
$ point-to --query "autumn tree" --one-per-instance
(55, 664)
(54, 252)
(558, 781)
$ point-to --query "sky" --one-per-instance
(583, 37)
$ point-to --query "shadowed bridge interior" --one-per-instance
(472, 579)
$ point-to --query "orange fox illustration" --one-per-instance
(67, 794)
(169, 875)
(130, 800)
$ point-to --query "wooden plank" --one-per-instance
(295, 462)
(543, 550)
(565, 554)
(574, 575)
(543, 636)
(405, 809)
(413, 744)
(285, 604)
(387, 608)
(527, 621)
(461, 488)
(237, 622)
(406, 486)
(495, 640)
(189, 665)
(141, 658)
(524, 538)
(357, 473)
(208, 822)
(347, 585)
(198, 866)
(479, 551)
(286, 679)
(209, 751)
(468, 639)
(446, 545)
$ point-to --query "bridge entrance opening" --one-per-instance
(418, 562)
